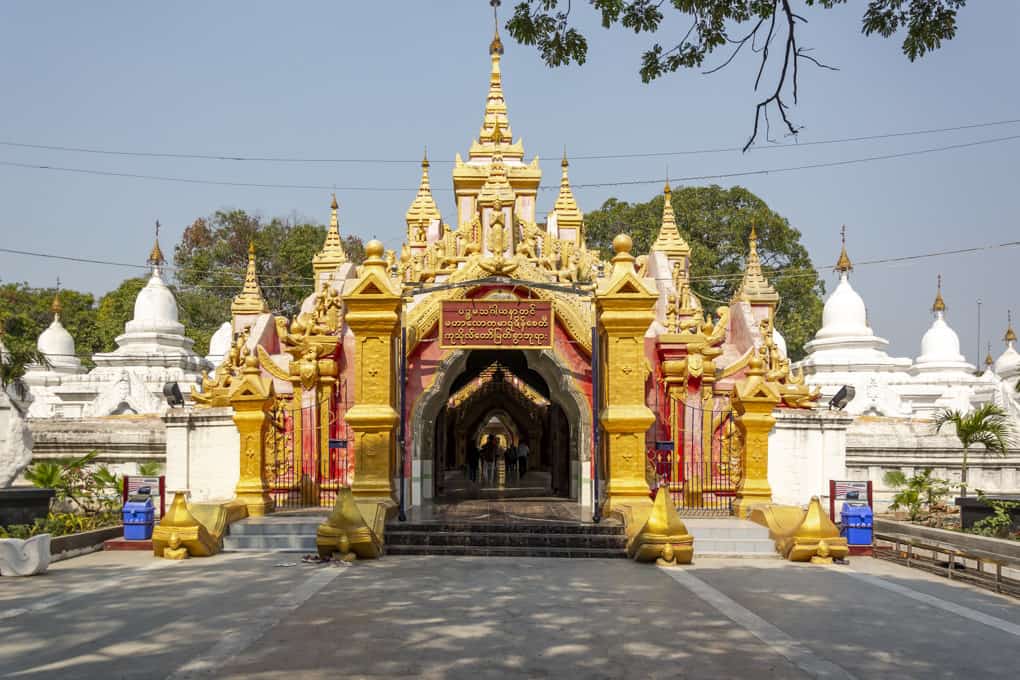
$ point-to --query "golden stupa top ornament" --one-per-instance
(669, 240)
(843, 264)
(423, 208)
(250, 300)
(567, 213)
(1010, 333)
(988, 357)
(156, 254)
(57, 306)
(754, 287)
(332, 254)
(939, 305)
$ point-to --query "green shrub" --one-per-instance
(999, 524)
(61, 524)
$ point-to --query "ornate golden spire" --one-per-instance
(423, 208)
(497, 187)
(843, 264)
(57, 307)
(567, 213)
(1010, 333)
(939, 305)
(156, 254)
(250, 301)
(669, 240)
(332, 254)
(754, 287)
(988, 357)
(495, 104)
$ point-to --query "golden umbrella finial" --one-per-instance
(1010, 333)
(939, 305)
(843, 264)
(496, 46)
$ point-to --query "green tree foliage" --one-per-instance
(213, 254)
(728, 27)
(716, 223)
(25, 312)
(988, 425)
(115, 309)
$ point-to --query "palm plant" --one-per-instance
(916, 494)
(987, 425)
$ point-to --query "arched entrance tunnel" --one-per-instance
(515, 396)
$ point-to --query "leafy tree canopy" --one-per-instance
(25, 312)
(768, 28)
(716, 222)
(213, 254)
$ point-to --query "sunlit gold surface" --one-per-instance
(663, 538)
(625, 309)
(252, 398)
(184, 530)
(250, 300)
(754, 399)
(332, 254)
(802, 536)
(346, 531)
(754, 287)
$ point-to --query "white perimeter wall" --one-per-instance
(202, 453)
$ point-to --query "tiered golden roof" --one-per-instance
(669, 240)
(567, 213)
(497, 187)
(496, 114)
(332, 254)
(423, 208)
(754, 287)
(843, 264)
(939, 305)
(250, 300)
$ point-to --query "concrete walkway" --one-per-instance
(121, 615)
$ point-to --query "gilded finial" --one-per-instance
(1010, 333)
(939, 305)
(156, 254)
(496, 46)
(332, 254)
(754, 287)
(669, 240)
(568, 214)
(843, 264)
(988, 357)
(57, 305)
(250, 300)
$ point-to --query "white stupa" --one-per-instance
(942, 377)
(846, 351)
(151, 352)
(1007, 366)
(220, 343)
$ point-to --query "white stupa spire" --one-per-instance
(940, 345)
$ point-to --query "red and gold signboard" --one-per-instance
(496, 324)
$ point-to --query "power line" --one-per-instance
(387, 161)
(590, 185)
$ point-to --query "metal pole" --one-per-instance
(596, 397)
(977, 361)
(402, 515)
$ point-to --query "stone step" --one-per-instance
(505, 538)
(525, 527)
(503, 551)
(304, 543)
(263, 526)
(730, 537)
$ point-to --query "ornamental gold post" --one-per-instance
(754, 399)
(252, 399)
(625, 309)
(373, 315)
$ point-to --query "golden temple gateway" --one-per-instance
(494, 356)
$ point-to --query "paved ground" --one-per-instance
(114, 615)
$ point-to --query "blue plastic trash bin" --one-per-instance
(858, 522)
(139, 515)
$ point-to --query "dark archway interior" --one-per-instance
(498, 394)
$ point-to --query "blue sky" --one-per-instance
(382, 80)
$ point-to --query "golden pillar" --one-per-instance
(625, 309)
(252, 399)
(373, 315)
(754, 399)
